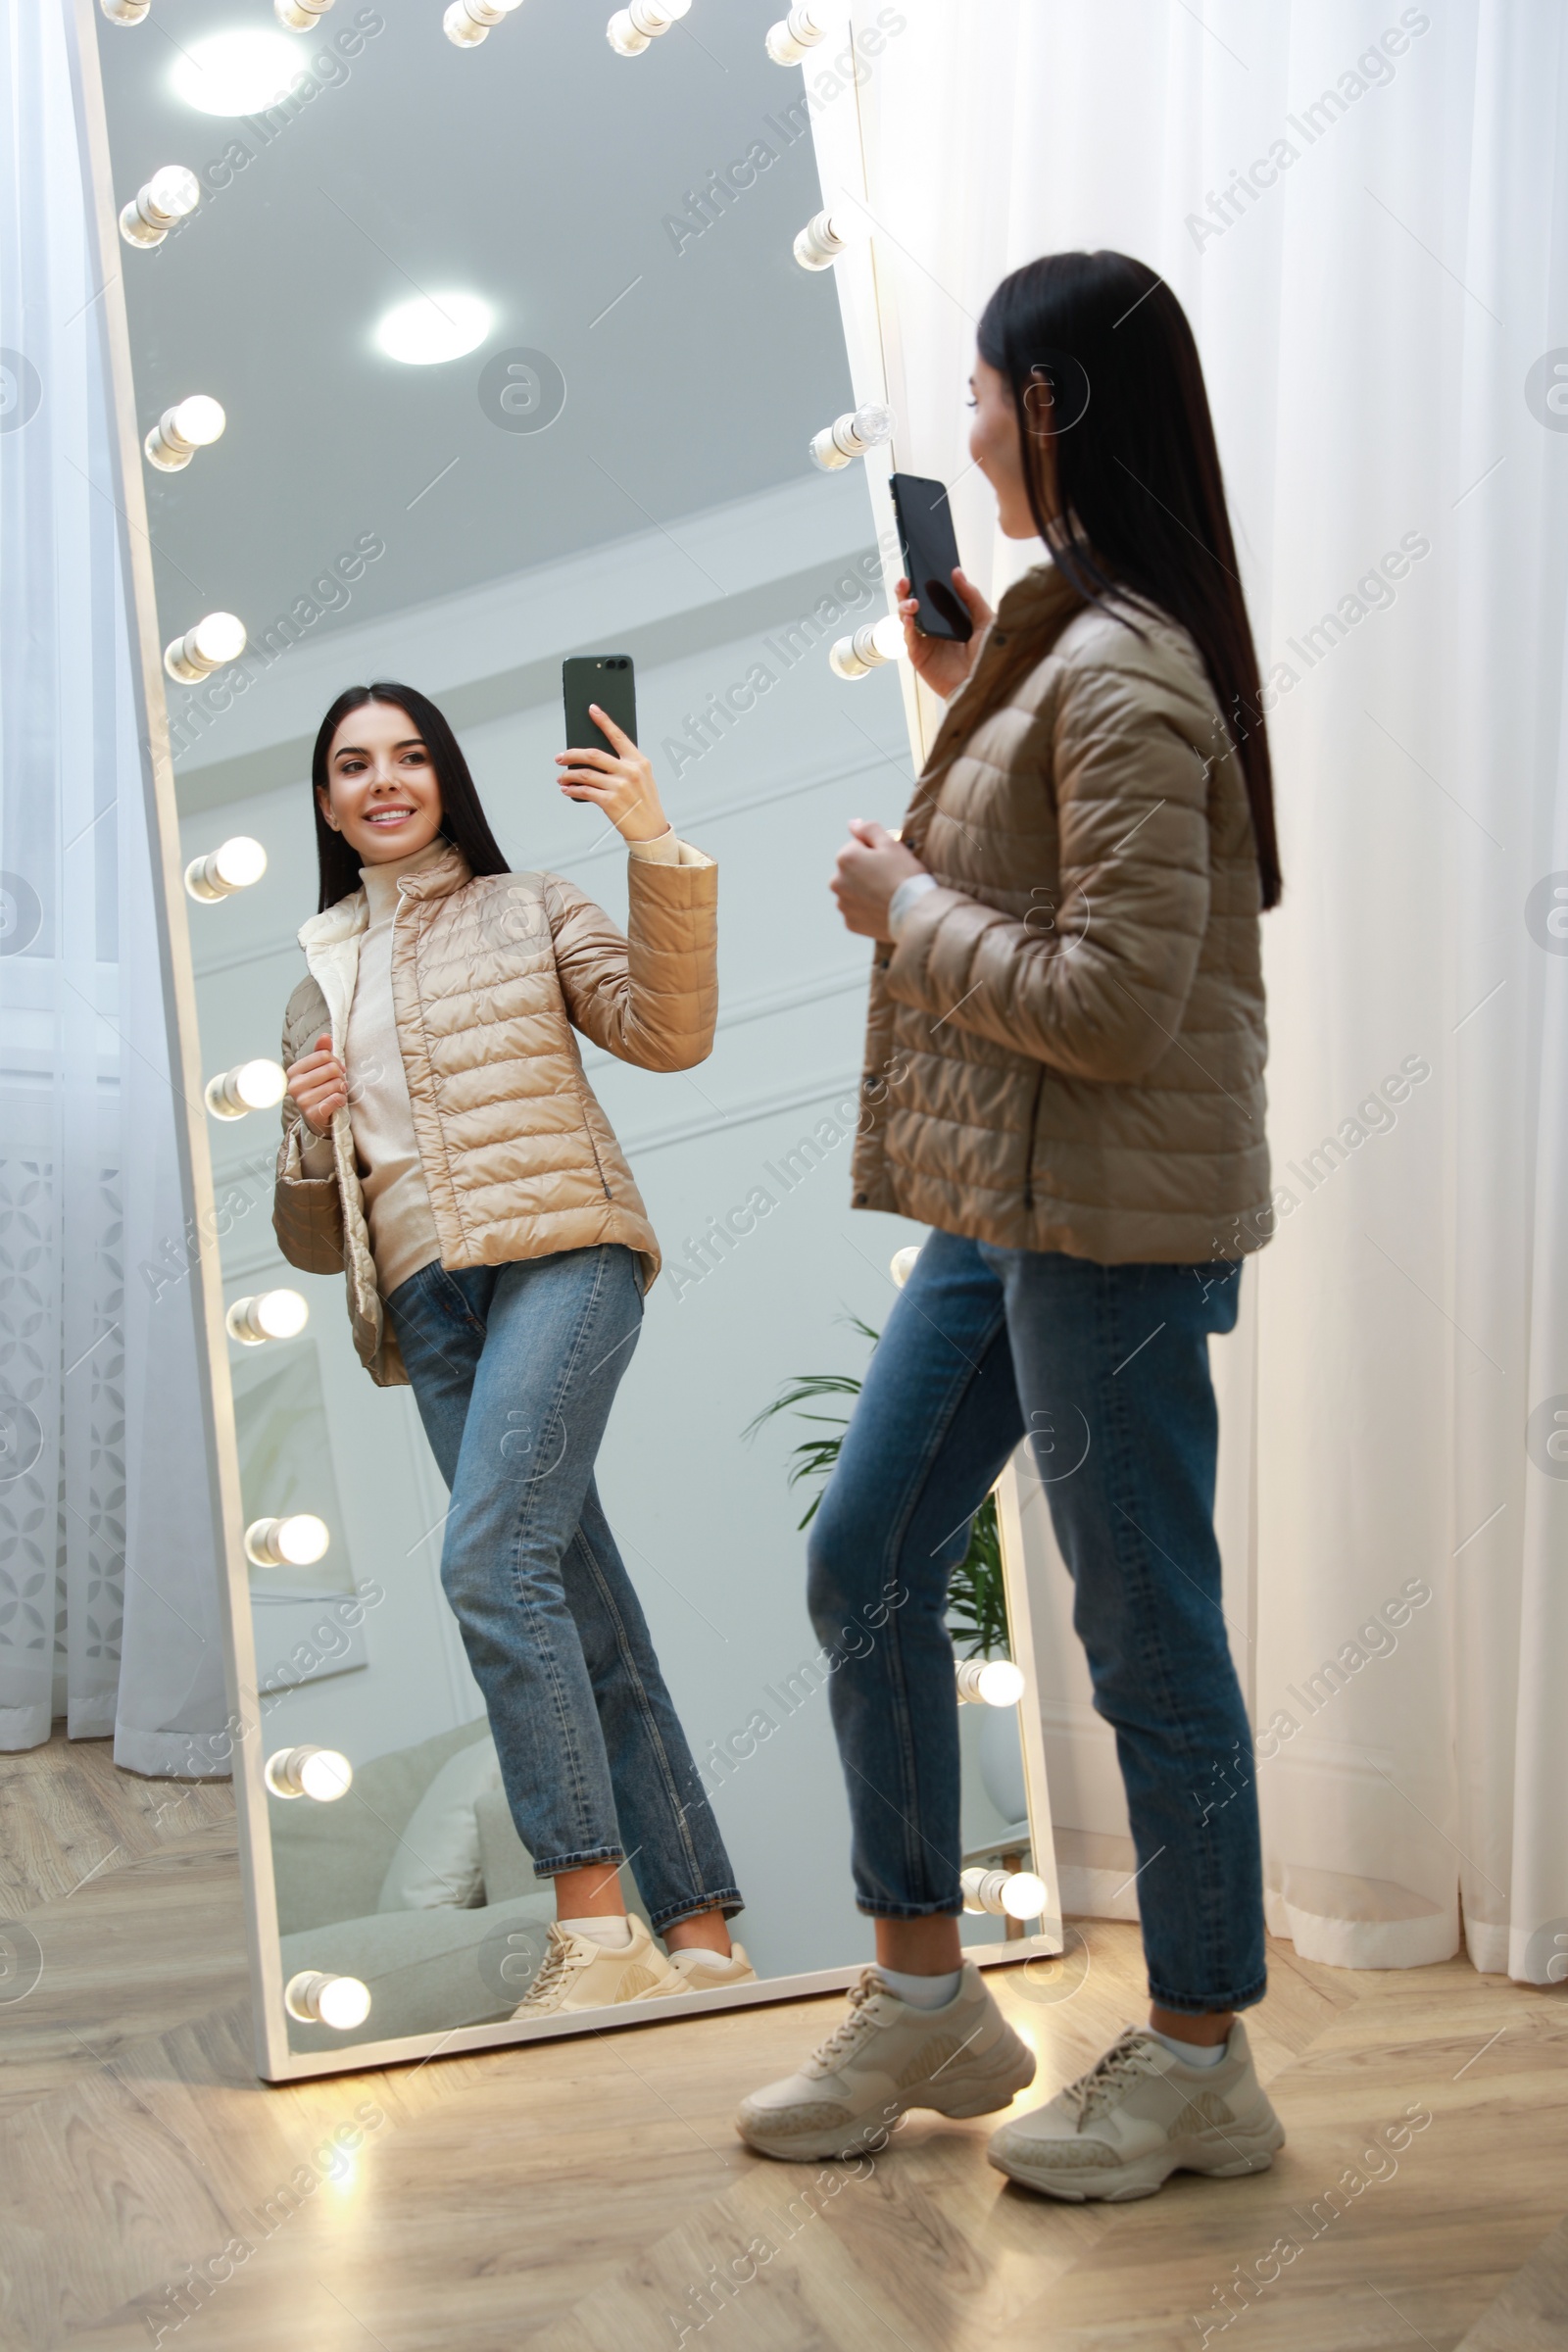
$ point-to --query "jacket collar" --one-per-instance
(351, 914)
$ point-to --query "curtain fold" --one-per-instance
(1363, 209)
(108, 1587)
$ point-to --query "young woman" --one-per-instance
(1064, 1077)
(442, 1148)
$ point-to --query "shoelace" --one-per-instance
(846, 2035)
(1127, 2056)
(556, 1961)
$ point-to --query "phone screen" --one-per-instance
(611, 681)
(930, 551)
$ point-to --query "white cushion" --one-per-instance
(436, 1866)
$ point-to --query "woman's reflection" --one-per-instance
(443, 1148)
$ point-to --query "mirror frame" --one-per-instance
(865, 328)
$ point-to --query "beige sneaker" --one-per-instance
(1138, 2116)
(883, 2058)
(695, 1969)
(579, 1974)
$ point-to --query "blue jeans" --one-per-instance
(1106, 1369)
(514, 1369)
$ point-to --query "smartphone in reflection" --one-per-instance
(611, 681)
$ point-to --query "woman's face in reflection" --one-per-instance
(996, 448)
(383, 796)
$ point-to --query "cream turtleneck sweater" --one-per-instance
(396, 1205)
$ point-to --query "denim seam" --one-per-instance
(898, 1531)
(520, 1530)
(727, 1899)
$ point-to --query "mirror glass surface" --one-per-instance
(617, 461)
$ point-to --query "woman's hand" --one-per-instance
(871, 866)
(619, 783)
(317, 1083)
(942, 662)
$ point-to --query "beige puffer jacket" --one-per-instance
(490, 977)
(1065, 1045)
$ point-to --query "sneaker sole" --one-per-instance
(1241, 2154)
(958, 2099)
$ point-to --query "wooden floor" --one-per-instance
(580, 2197)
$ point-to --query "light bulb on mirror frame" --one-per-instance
(125, 12)
(902, 1263)
(1005, 1893)
(318, 1999)
(299, 16)
(630, 29)
(468, 23)
(171, 196)
(235, 865)
(267, 1315)
(827, 235)
(989, 1681)
(320, 1773)
(788, 40)
(258, 1085)
(873, 643)
(217, 639)
(297, 1542)
(189, 425)
(850, 436)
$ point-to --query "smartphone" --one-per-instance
(611, 681)
(930, 551)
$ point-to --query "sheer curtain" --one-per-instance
(109, 1609)
(1362, 207)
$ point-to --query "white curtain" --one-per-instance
(1364, 210)
(109, 1610)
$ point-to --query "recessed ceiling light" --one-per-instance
(237, 73)
(433, 327)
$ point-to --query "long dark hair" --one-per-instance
(463, 820)
(1140, 501)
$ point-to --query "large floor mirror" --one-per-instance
(457, 350)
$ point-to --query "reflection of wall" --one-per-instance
(705, 1523)
(285, 1458)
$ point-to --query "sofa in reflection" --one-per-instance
(417, 1883)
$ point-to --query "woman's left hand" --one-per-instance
(619, 783)
(871, 866)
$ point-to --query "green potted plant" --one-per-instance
(978, 1611)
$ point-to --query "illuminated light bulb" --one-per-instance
(468, 23)
(825, 237)
(318, 1772)
(300, 15)
(788, 40)
(1009, 1893)
(873, 643)
(433, 328)
(236, 72)
(234, 866)
(210, 645)
(851, 436)
(171, 196)
(253, 1086)
(267, 1315)
(125, 12)
(298, 1542)
(315, 1999)
(903, 1265)
(193, 425)
(990, 1682)
(630, 29)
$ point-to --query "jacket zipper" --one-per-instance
(1029, 1139)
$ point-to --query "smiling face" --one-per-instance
(383, 796)
(996, 448)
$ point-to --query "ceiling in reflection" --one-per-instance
(683, 357)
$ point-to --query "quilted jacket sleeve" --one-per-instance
(1096, 985)
(306, 1210)
(650, 997)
